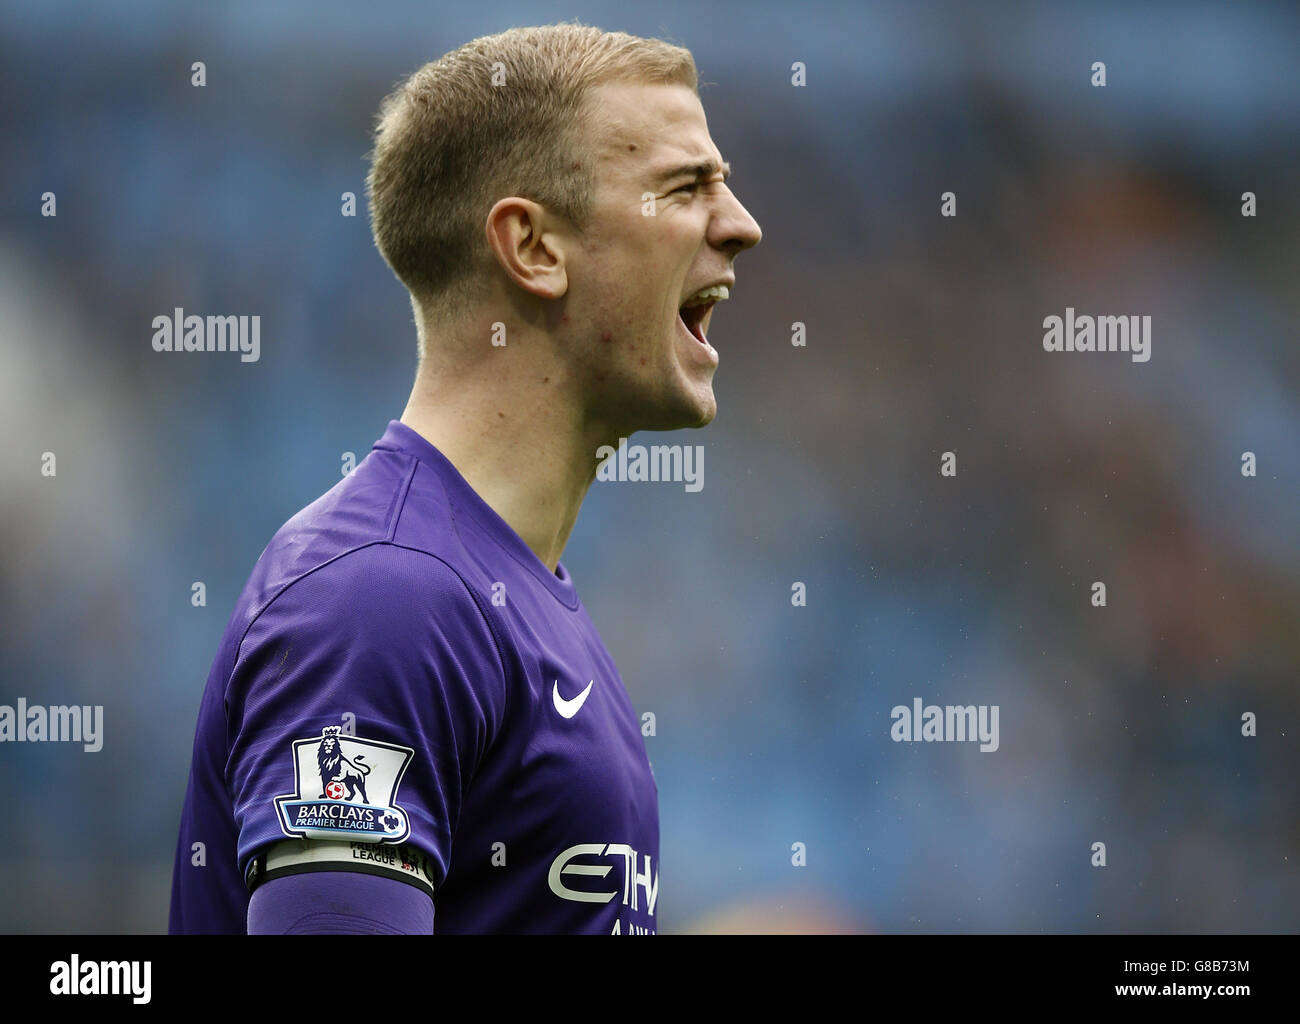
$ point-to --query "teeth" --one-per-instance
(714, 293)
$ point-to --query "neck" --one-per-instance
(508, 425)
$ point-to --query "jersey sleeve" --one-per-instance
(338, 903)
(361, 702)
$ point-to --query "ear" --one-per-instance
(528, 246)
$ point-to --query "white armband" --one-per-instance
(298, 856)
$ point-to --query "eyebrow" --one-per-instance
(695, 169)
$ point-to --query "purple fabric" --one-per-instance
(339, 902)
(402, 673)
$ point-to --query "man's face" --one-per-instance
(644, 364)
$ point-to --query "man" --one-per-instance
(410, 707)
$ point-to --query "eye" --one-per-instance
(690, 186)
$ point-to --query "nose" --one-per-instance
(732, 227)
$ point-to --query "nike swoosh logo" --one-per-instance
(569, 708)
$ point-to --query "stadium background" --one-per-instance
(1119, 725)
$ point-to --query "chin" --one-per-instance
(700, 414)
(688, 405)
(680, 418)
(700, 405)
(708, 414)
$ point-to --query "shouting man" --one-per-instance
(411, 723)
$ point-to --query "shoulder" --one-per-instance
(374, 592)
(383, 534)
(376, 613)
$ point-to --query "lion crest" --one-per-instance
(340, 775)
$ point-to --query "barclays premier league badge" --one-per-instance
(346, 788)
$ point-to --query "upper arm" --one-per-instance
(361, 702)
(333, 903)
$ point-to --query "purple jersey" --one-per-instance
(404, 689)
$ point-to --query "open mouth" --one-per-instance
(694, 312)
(693, 318)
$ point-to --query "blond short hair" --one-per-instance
(502, 115)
